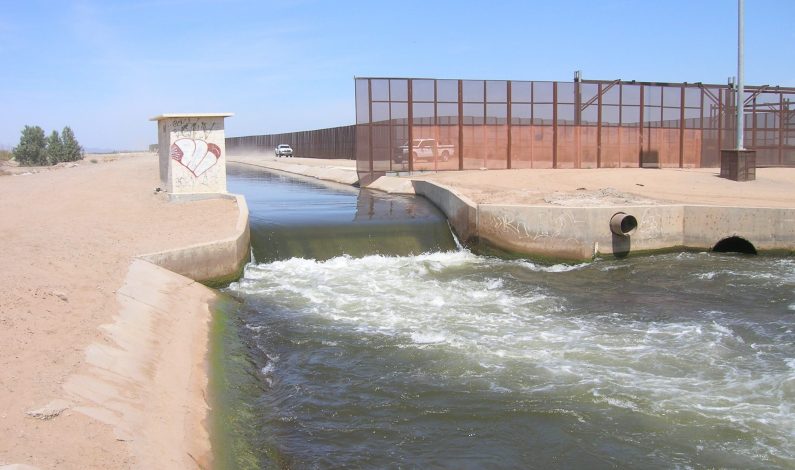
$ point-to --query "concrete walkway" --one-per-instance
(774, 187)
(339, 171)
(566, 214)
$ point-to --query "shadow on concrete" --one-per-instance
(622, 245)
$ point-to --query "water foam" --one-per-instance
(511, 329)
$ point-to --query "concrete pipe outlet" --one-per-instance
(623, 224)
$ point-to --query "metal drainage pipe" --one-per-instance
(623, 224)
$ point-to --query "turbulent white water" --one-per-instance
(675, 360)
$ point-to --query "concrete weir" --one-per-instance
(581, 233)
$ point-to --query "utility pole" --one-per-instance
(740, 78)
(739, 164)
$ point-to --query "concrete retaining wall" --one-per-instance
(213, 263)
(577, 232)
(768, 229)
(461, 212)
(580, 233)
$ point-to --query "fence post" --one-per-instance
(370, 124)
(781, 118)
(410, 149)
(720, 121)
(640, 124)
(577, 123)
(508, 118)
(701, 127)
(554, 124)
(460, 124)
(681, 127)
(599, 126)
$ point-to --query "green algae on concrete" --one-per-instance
(223, 281)
(233, 391)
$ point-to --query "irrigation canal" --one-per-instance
(364, 338)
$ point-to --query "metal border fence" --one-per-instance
(330, 143)
(501, 124)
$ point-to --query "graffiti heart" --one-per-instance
(195, 154)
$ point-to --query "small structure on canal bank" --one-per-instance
(192, 152)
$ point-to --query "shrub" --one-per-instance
(35, 149)
(31, 148)
(72, 150)
(55, 149)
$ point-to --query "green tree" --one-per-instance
(72, 151)
(31, 148)
(54, 150)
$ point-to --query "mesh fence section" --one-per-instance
(406, 124)
(425, 124)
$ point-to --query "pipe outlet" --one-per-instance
(623, 224)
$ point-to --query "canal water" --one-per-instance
(371, 340)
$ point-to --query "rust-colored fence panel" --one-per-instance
(331, 143)
(413, 124)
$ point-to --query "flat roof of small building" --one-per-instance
(189, 115)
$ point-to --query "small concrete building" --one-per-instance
(192, 152)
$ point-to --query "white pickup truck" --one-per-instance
(424, 149)
(283, 150)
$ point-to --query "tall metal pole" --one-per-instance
(740, 80)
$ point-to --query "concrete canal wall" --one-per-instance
(580, 233)
(212, 263)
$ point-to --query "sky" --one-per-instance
(105, 67)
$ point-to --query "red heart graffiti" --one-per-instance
(196, 155)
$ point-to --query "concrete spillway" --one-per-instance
(301, 217)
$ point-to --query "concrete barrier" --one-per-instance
(767, 229)
(214, 263)
(577, 233)
(581, 233)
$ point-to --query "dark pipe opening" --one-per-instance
(623, 224)
(628, 224)
(735, 245)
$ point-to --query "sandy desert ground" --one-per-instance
(774, 187)
(69, 237)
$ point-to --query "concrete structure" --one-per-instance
(738, 165)
(215, 263)
(582, 233)
(192, 152)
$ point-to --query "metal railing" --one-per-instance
(501, 124)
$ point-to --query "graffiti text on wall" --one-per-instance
(190, 128)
